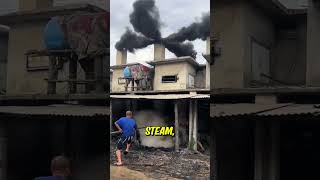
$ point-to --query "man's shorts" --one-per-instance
(123, 141)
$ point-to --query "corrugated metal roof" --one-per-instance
(63, 110)
(162, 96)
(227, 110)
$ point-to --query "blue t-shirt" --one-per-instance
(127, 125)
(49, 178)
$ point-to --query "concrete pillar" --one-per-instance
(313, 39)
(258, 151)
(274, 165)
(207, 75)
(190, 123)
(73, 67)
(98, 70)
(53, 75)
(208, 45)
(121, 57)
(195, 125)
(159, 52)
(176, 124)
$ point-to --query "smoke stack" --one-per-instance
(121, 57)
(25, 5)
(159, 52)
(208, 45)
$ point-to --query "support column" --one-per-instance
(275, 151)
(190, 123)
(98, 70)
(53, 75)
(258, 151)
(195, 125)
(73, 68)
(176, 124)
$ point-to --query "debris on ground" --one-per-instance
(161, 163)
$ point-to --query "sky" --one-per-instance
(174, 14)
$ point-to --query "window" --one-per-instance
(169, 79)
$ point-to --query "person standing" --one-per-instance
(128, 127)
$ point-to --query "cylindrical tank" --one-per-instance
(54, 36)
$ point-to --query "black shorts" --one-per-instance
(123, 141)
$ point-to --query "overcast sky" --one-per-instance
(174, 14)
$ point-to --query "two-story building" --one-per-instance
(265, 90)
(175, 92)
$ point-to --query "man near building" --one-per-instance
(127, 126)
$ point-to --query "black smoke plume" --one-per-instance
(181, 49)
(145, 20)
(131, 41)
(196, 30)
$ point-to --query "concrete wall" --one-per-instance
(182, 70)
(22, 38)
(289, 65)
(259, 28)
(313, 39)
(202, 78)
(116, 74)
(228, 28)
(3, 61)
(235, 26)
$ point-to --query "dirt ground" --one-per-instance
(159, 163)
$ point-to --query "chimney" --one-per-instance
(159, 52)
(25, 5)
(121, 57)
(208, 45)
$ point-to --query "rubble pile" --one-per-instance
(161, 163)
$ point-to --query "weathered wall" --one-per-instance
(235, 26)
(313, 39)
(227, 27)
(289, 65)
(116, 74)
(180, 69)
(201, 78)
(259, 28)
(3, 61)
(24, 37)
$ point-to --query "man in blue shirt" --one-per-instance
(127, 126)
(60, 169)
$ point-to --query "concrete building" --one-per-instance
(265, 90)
(177, 88)
(41, 115)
